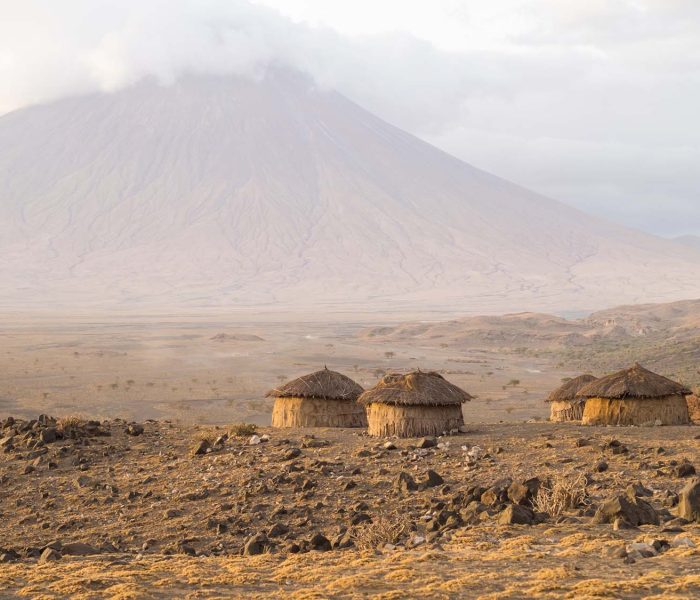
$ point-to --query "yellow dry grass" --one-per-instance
(522, 566)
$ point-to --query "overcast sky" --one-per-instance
(592, 102)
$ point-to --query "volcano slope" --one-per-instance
(273, 194)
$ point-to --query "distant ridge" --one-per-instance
(275, 195)
(689, 240)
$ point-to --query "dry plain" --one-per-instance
(141, 516)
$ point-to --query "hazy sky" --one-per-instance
(593, 102)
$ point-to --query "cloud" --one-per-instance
(592, 102)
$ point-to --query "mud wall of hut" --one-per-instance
(670, 410)
(317, 412)
(412, 421)
(566, 411)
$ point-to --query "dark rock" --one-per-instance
(405, 483)
(201, 447)
(277, 530)
(135, 429)
(184, 547)
(615, 552)
(685, 469)
(9, 556)
(427, 442)
(308, 484)
(48, 435)
(255, 545)
(310, 441)
(49, 555)
(659, 545)
(689, 501)
(581, 442)
(445, 520)
(291, 453)
(496, 494)
(320, 542)
(637, 490)
(77, 549)
(514, 514)
(519, 493)
(633, 510)
(360, 518)
(601, 467)
(433, 479)
(343, 540)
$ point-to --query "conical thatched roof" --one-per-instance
(321, 384)
(417, 388)
(635, 382)
(570, 390)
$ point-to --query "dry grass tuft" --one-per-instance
(243, 429)
(70, 423)
(389, 528)
(561, 495)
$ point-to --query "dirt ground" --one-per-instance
(321, 513)
(114, 493)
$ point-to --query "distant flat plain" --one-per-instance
(217, 370)
(217, 367)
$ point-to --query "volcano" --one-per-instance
(275, 194)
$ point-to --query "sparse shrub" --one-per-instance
(69, 424)
(243, 429)
(563, 494)
(389, 528)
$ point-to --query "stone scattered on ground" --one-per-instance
(85, 490)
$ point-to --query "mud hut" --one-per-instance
(694, 406)
(321, 399)
(565, 403)
(415, 404)
(635, 396)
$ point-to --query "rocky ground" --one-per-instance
(156, 509)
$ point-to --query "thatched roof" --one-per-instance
(417, 388)
(570, 390)
(321, 384)
(635, 382)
